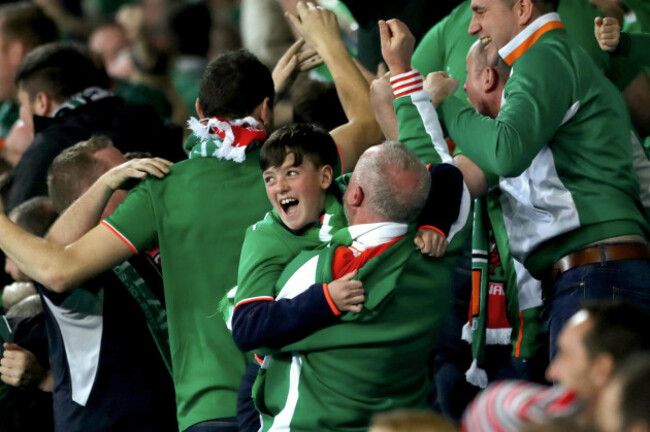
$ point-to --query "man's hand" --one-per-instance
(397, 44)
(440, 85)
(608, 33)
(381, 102)
(431, 243)
(611, 8)
(316, 25)
(19, 367)
(135, 169)
(347, 294)
(291, 63)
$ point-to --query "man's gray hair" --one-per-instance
(377, 172)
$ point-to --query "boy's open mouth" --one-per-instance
(288, 203)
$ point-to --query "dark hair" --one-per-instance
(317, 102)
(233, 84)
(618, 329)
(26, 22)
(60, 70)
(301, 140)
(74, 168)
(36, 215)
(634, 402)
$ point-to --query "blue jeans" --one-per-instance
(217, 425)
(627, 281)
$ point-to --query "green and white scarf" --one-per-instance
(84, 97)
(222, 138)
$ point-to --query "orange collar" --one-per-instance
(528, 36)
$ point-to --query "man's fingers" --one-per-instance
(382, 69)
(306, 54)
(12, 347)
(310, 64)
(295, 48)
(348, 276)
(598, 21)
(295, 20)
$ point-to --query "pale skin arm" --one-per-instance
(320, 29)
(61, 268)
(85, 213)
(381, 101)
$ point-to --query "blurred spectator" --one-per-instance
(63, 94)
(35, 215)
(625, 404)
(23, 26)
(109, 41)
(405, 420)
(18, 140)
(14, 293)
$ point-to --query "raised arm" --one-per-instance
(85, 213)
(61, 268)
(320, 29)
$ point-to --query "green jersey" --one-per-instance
(373, 361)
(416, 116)
(269, 246)
(195, 216)
(560, 147)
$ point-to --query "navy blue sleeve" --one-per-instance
(443, 204)
(277, 323)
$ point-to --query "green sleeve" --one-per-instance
(134, 220)
(419, 128)
(262, 260)
(635, 46)
(536, 102)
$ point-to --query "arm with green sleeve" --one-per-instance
(634, 46)
(536, 104)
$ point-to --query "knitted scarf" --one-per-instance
(223, 139)
(84, 97)
(488, 321)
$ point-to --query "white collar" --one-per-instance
(528, 35)
(375, 234)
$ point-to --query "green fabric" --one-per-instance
(528, 337)
(591, 153)
(153, 311)
(198, 216)
(268, 247)
(416, 118)
(445, 47)
(641, 9)
(344, 367)
(9, 113)
(635, 46)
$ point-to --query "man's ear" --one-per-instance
(490, 80)
(43, 104)
(197, 107)
(602, 369)
(266, 112)
(15, 53)
(524, 10)
(355, 197)
(327, 174)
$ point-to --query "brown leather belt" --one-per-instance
(600, 254)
